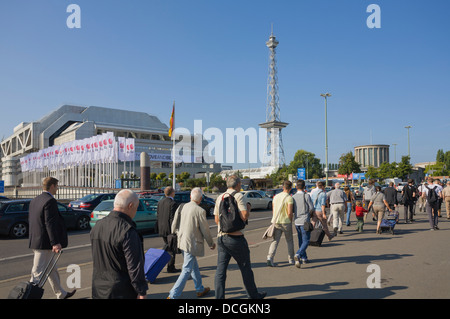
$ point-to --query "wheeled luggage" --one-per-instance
(30, 290)
(388, 223)
(317, 235)
(155, 261)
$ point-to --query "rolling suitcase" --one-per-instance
(317, 235)
(388, 224)
(30, 290)
(155, 261)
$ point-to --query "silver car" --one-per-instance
(254, 200)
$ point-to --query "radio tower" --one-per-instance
(274, 153)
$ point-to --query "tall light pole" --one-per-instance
(409, 153)
(395, 152)
(326, 95)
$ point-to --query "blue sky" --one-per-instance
(210, 57)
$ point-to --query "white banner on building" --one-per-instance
(93, 150)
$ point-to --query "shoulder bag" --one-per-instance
(270, 230)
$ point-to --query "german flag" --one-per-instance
(172, 121)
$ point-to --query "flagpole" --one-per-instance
(173, 149)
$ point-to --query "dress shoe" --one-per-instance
(173, 270)
(204, 292)
(70, 294)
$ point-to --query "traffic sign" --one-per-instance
(2, 186)
(301, 173)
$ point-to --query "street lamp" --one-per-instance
(409, 153)
(326, 95)
(395, 152)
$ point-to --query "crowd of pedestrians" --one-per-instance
(117, 247)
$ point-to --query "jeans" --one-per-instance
(190, 268)
(349, 211)
(303, 241)
(236, 247)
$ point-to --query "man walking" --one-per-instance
(282, 216)
(338, 207)
(390, 193)
(303, 207)
(368, 192)
(422, 200)
(117, 252)
(432, 203)
(409, 197)
(234, 245)
(192, 229)
(165, 214)
(48, 235)
(319, 199)
(446, 198)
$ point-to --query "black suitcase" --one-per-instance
(30, 290)
(317, 235)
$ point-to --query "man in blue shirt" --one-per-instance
(319, 199)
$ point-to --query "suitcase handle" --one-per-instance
(49, 268)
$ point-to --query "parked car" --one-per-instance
(254, 200)
(75, 218)
(400, 186)
(91, 201)
(2, 198)
(145, 218)
(272, 192)
(207, 203)
(14, 217)
(358, 191)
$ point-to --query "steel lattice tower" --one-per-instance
(274, 153)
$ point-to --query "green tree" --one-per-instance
(348, 164)
(440, 157)
(404, 168)
(387, 170)
(372, 172)
(184, 176)
(307, 160)
(161, 176)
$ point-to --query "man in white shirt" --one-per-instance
(432, 207)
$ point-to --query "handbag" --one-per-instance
(172, 239)
(172, 244)
(307, 226)
(271, 229)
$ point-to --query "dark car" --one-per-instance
(272, 192)
(14, 217)
(89, 202)
(207, 203)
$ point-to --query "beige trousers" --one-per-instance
(40, 262)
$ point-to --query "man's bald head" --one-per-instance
(127, 202)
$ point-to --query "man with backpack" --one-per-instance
(432, 194)
(231, 216)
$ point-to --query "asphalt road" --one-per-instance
(411, 264)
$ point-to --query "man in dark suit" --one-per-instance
(48, 235)
(166, 212)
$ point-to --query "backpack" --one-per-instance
(229, 218)
(432, 197)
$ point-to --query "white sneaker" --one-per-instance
(298, 264)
